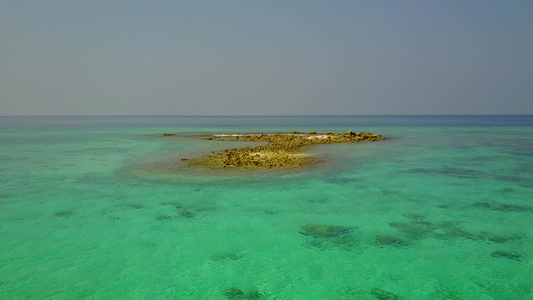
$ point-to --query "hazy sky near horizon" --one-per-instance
(265, 57)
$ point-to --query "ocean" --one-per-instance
(100, 208)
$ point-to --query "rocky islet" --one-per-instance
(281, 150)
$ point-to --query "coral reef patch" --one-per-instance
(506, 254)
(391, 240)
(503, 207)
(324, 231)
(325, 236)
(64, 213)
(382, 294)
(238, 294)
(281, 150)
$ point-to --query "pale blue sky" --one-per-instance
(265, 57)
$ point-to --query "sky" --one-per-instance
(251, 57)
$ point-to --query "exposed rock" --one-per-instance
(280, 151)
(169, 134)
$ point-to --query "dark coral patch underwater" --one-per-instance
(136, 206)
(391, 240)
(325, 236)
(382, 294)
(162, 217)
(64, 214)
(228, 256)
(503, 207)
(419, 227)
(506, 254)
(453, 172)
(238, 294)
(324, 231)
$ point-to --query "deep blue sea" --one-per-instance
(100, 208)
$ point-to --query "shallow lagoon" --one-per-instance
(90, 210)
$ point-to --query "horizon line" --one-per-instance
(303, 115)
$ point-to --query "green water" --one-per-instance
(437, 212)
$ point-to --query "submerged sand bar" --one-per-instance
(282, 150)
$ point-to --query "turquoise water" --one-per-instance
(100, 208)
